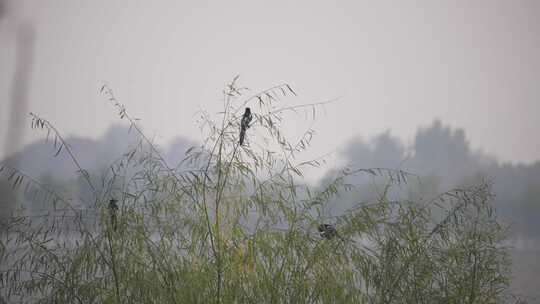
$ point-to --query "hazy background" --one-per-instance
(446, 89)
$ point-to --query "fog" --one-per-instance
(396, 65)
(443, 159)
(453, 83)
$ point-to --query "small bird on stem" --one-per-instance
(328, 231)
(244, 124)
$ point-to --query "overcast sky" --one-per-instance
(395, 65)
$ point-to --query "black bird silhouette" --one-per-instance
(113, 207)
(244, 124)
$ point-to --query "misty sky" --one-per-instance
(397, 66)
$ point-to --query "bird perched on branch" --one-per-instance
(328, 231)
(244, 124)
(113, 207)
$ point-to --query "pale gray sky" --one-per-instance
(396, 64)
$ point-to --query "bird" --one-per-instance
(113, 207)
(244, 124)
(327, 231)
